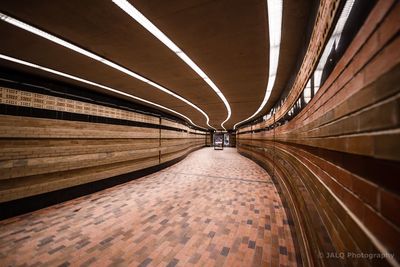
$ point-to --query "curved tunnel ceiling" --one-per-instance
(228, 40)
(148, 25)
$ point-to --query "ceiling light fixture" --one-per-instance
(59, 73)
(333, 41)
(148, 25)
(91, 55)
(275, 28)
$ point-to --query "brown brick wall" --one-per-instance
(39, 155)
(338, 160)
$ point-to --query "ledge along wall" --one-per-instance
(337, 161)
(40, 155)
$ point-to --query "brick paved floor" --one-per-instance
(215, 208)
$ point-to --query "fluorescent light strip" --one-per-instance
(59, 73)
(148, 25)
(275, 29)
(333, 41)
(84, 52)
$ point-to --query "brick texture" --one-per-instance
(39, 155)
(194, 213)
(338, 159)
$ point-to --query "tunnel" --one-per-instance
(200, 133)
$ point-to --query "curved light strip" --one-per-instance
(148, 25)
(275, 29)
(333, 42)
(84, 52)
(32, 65)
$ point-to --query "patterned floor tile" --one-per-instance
(214, 208)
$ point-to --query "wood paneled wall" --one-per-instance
(338, 161)
(40, 155)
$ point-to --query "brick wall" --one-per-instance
(40, 155)
(337, 161)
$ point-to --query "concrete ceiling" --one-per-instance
(227, 39)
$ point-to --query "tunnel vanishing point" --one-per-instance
(200, 133)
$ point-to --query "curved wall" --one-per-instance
(337, 161)
(62, 143)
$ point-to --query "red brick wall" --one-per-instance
(338, 160)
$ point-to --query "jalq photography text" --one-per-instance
(355, 255)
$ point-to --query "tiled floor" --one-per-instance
(215, 208)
